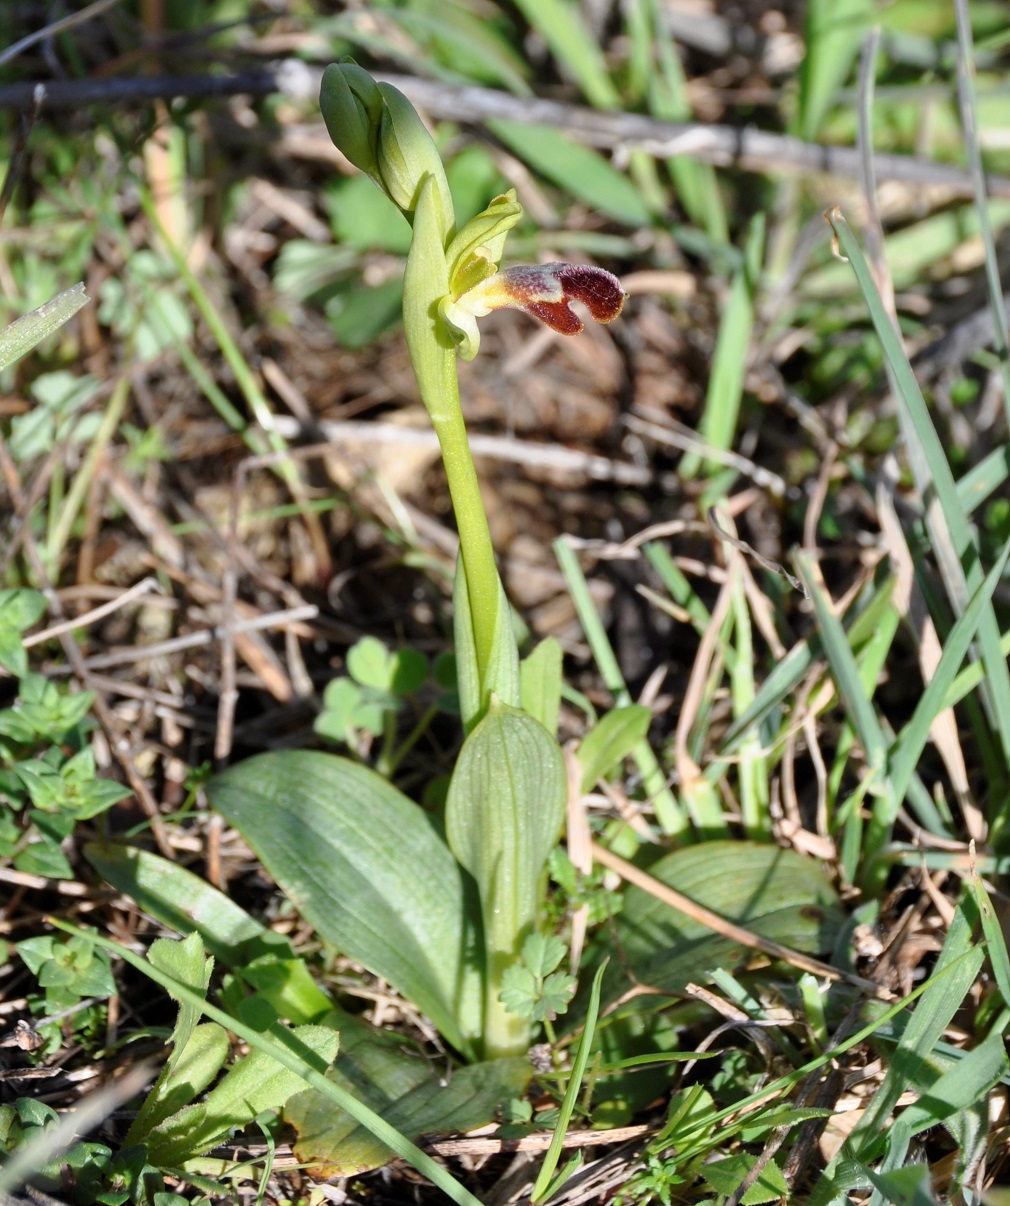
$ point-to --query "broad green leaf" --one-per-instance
(184, 901)
(578, 170)
(778, 894)
(503, 816)
(292, 1052)
(540, 682)
(191, 1068)
(44, 858)
(337, 1146)
(371, 664)
(183, 961)
(362, 220)
(610, 741)
(21, 608)
(908, 1186)
(358, 313)
(375, 1065)
(725, 1176)
(469, 41)
(194, 1060)
(12, 651)
(365, 866)
(256, 1083)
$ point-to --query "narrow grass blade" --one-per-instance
(845, 671)
(855, 688)
(963, 572)
(733, 1118)
(560, 24)
(725, 387)
(834, 32)
(784, 678)
(543, 1181)
(670, 815)
(962, 960)
(965, 1083)
(84, 477)
(973, 148)
(28, 331)
(678, 585)
(909, 746)
(283, 1046)
(695, 183)
(984, 479)
(752, 771)
(994, 936)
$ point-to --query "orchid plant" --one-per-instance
(453, 277)
(445, 922)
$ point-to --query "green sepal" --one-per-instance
(425, 282)
(351, 105)
(408, 156)
(476, 251)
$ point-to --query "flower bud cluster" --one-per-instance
(379, 131)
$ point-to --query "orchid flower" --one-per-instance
(453, 278)
(478, 285)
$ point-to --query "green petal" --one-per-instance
(477, 249)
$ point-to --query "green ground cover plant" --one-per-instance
(637, 816)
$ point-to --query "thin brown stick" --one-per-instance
(724, 146)
(536, 1143)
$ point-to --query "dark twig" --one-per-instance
(54, 27)
(725, 146)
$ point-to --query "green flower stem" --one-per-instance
(474, 535)
(505, 1033)
(433, 357)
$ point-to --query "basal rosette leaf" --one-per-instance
(365, 866)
